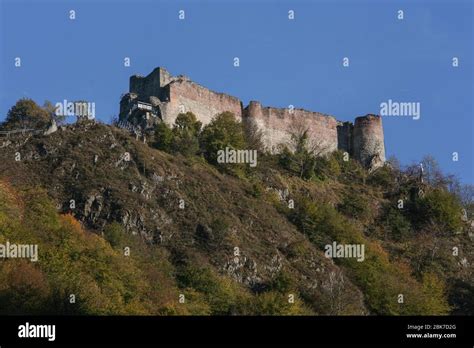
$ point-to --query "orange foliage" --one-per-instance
(377, 249)
(69, 220)
(9, 194)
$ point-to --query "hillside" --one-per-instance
(130, 229)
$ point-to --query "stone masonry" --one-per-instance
(160, 97)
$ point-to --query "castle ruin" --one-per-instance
(160, 97)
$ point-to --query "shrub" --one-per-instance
(113, 233)
(320, 222)
(282, 283)
(382, 177)
(274, 303)
(24, 289)
(355, 206)
(439, 207)
(327, 167)
(398, 225)
(351, 171)
(434, 291)
(221, 293)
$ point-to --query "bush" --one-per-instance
(257, 189)
(24, 289)
(320, 222)
(437, 207)
(222, 294)
(382, 177)
(351, 171)
(282, 283)
(113, 233)
(355, 206)
(398, 225)
(273, 303)
(327, 167)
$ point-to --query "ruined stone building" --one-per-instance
(160, 97)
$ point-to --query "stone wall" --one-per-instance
(170, 95)
(277, 125)
(185, 95)
(345, 132)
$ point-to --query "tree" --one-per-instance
(182, 138)
(440, 207)
(187, 122)
(163, 137)
(398, 225)
(253, 137)
(432, 173)
(300, 156)
(186, 131)
(27, 114)
(434, 289)
(224, 131)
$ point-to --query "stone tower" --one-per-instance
(368, 141)
(151, 85)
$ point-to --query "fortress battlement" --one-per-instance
(160, 97)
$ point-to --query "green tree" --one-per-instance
(302, 156)
(253, 136)
(438, 206)
(434, 291)
(398, 225)
(224, 131)
(163, 137)
(27, 114)
(186, 131)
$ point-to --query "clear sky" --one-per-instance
(282, 61)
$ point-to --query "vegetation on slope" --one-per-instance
(129, 228)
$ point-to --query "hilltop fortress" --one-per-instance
(160, 97)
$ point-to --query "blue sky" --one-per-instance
(282, 62)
